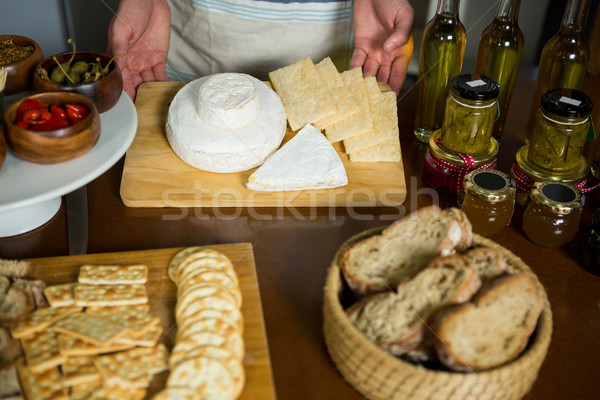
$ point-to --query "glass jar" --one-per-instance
(471, 109)
(445, 170)
(488, 200)
(552, 216)
(560, 132)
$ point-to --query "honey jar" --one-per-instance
(469, 116)
(552, 216)
(488, 200)
(562, 122)
(446, 170)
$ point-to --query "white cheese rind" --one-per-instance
(307, 161)
(224, 150)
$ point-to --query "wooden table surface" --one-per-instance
(293, 248)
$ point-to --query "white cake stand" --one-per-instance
(30, 194)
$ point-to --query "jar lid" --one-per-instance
(559, 197)
(475, 87)
(567, 103)
(444, 154)
(536, 173)
(489, 184)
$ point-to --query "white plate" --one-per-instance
(29, 192)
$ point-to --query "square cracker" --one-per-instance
(90, 328)
(360, 122)
(41, 351)
(302, 92)
(135, 366)
(42, 386)
(60, 295)
(384, 116)
(342, 95)
(385, 151)
(134, 318)
(113, 274)
(72, 347)
(79, 370)
(110, 295)
(40, 319)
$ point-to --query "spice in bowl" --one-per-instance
(11, 52)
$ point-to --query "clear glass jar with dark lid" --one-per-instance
(558, 138)
(488, 200)
(470, 114)
(552, 216)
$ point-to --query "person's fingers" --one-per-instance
(383, 74)
(398, 73)
(370, 67)
(358, 58)
(160, 72)
(147, 75)
(402, 31)
(128, 86)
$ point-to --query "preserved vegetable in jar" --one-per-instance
(488, 200)
(561, 130)
(470, 113)
(442, 50)
(564, 58)
(552, 216)
(499, 56)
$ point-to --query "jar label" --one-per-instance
(568, 100)
(475, 83)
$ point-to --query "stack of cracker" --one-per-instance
(97, 340)
(345, 106)
(207, 358)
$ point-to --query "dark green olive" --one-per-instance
(79, 67)
(57, 75)
(74, 78)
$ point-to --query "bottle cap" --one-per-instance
(489, 184)
(559, 197)
(567, 103)
(475, 87)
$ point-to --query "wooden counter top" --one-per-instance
(294, 246)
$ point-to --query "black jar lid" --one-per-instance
(475, 87)
(567, 103)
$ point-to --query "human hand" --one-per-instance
(140, 29)
(383, 42)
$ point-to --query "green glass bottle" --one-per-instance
(499, 56)
(564, 58)
(442, 50)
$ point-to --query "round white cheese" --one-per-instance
(237, 143)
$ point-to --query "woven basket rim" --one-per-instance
(333, 310)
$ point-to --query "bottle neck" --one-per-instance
(508, 10)
(448, 7)
(576, 14)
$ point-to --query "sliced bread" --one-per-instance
(488, 262)
(396, 321)
(15, 304)
(403, 249)
(494, 328)
(14, 268)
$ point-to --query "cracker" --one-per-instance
(383, 115)
(79, 370)
(132, 318)
(180, 260)
(90, 328)
(42, 386)
(386, 151)
(41, 351)
(198, 299)
(176, 393)
(83, 391)
(117, 392)
(232, 316)
(110, 295)
(113, 274)
(60, 295)
(303, 93)
(342, 96)
(229, 339)
(71, 346)
(148, 338)
(358, 123)
(208, 376)
(135, 366)
(40, 319)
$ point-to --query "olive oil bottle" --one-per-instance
(442, 50)
(564, 58)
(499, 56)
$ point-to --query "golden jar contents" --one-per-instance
(488, 199)
(553, 214)
(561, 130)
(471, 110)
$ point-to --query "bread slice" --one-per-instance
(14, 268)
(488, 262)
(494, 328)
(396, 321)
(403, 249)
(15, 304)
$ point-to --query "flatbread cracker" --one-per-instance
(90, 328)
(60, 295)
(79, 370)
(342, 96)
(42, 386)
(110, 295)
(133, 318)
(41, 351)
(303, 93)
(134, 366)
(71, 346)
(113, 274)
(40, 319)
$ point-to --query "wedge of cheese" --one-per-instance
(307, 161)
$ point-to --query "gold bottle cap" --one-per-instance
(538, 174)
(489, 184)
(559, 197)
(439, 151)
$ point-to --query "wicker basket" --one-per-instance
(378, 375)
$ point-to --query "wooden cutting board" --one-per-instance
(162, 293)
(153, 175)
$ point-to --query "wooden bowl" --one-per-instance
(53, 146)
(19, 75)
(105, 92)
(377, 375)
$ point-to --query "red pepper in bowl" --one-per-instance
(35, 116)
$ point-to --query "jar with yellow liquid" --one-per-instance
(499, 56)
(564, 59)
(471, 110)
(442, 50)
